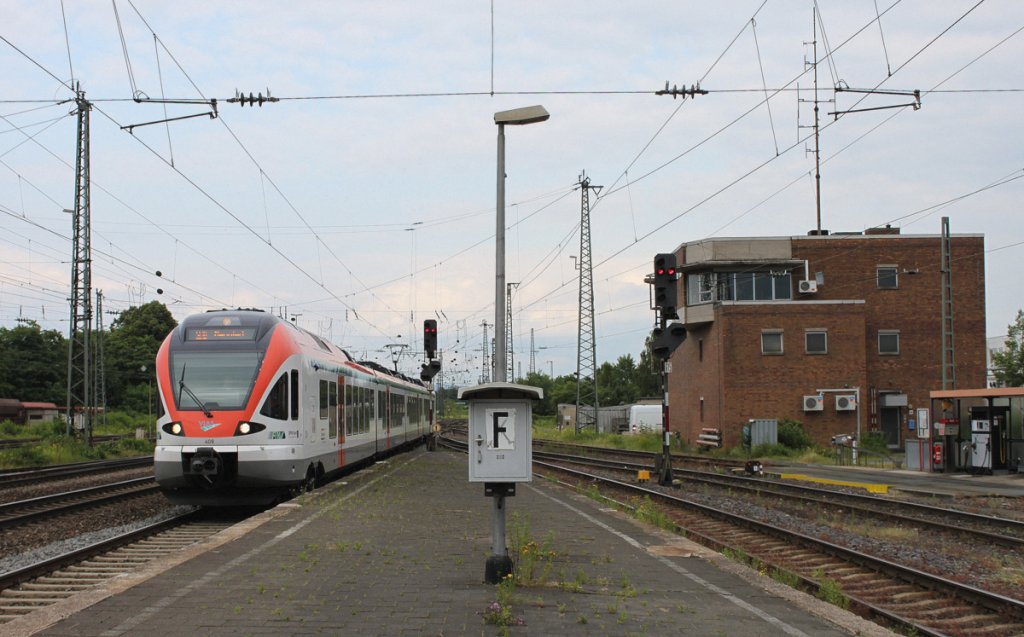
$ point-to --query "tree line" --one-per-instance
(34, 362)
(33, 366)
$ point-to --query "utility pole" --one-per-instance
(510, 358)
(815, 126)
(586, 352)
(80, 328)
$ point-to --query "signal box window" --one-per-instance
(889, 342)
(816, 341)
(771, 342)
(887, 277)
(276, 405)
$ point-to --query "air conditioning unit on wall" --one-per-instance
(814, 403)
(807, 286)
(846, 402)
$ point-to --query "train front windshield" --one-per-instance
(217, 380)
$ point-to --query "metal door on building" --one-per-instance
(890, 418)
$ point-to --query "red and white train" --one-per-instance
(253, 407)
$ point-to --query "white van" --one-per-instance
(645, 419)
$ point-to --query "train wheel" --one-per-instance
(310, 482)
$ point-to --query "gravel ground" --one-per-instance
(62, 538)
(47, 487)
(21, 546)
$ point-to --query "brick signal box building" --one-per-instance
(841, 332)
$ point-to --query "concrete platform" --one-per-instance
(400, 549)
(887, 481)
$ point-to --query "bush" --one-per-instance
(777, 450)
(10, 430)
(48, 429)
(23, 457)
(873, 441)
(793, 436)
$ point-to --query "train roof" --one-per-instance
(263, 322)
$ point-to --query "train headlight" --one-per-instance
(173, 428)
(245, 428)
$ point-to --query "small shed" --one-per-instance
(35, 412)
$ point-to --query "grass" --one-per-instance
(830, 591)
(872, 529)
(532, 560)
(634, 442)
(54, 447)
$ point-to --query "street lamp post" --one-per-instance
(514, 117)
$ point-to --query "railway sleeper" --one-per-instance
(53, 588)
(23, 594)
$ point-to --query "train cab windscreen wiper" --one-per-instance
(191, 394)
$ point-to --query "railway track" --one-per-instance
(891, 593)
(21, 477)
(50, 581)
(955, 522)
(14, 443)
(40, 508)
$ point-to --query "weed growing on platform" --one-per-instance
(646, 511)
(531, 561)
(499, 613)
(736, 555)
(626, 587)
(783, 576)
(830, 591)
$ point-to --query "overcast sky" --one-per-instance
(363, 201)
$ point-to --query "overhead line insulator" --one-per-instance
(251, 100)
(683, 92)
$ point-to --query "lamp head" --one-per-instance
(521, 116)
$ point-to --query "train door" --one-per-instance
(381, 418)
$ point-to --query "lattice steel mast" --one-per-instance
(100, 375)
(80, 329)
(948, 350)
(485, 373)
(510, 356)
(586, 351)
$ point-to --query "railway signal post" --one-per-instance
(664, 340)
(500, 454)
(427, 372)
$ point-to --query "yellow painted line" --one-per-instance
(869, 487)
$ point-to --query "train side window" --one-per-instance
(323, 399)
(348, 410)
(295, 394)
(367, 395)
(276, 404)
(332, 410)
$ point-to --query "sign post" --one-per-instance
(500, 454)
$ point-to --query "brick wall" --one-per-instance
(722, 362)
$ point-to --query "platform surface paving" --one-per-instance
(400, 549)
